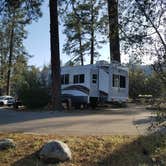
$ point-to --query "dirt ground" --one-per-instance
(131, 120)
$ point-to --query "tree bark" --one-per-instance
(79, 33)
(55, 56)
(92, 48)
(114, 30)
(10, 59)
(92, 35)
(81, 53)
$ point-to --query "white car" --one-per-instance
(7, 100)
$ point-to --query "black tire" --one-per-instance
(85, 106)
(1, 104)
(93, 105)
(77, 106)
(94, 102)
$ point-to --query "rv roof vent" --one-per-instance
(102, 63)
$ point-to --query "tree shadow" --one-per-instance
(143, 121)
(140, 152)
(33, 160)
(9, 116)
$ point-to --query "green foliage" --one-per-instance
(136, 83)
(153, 85)
(31, 9)
(31, 91)
(159, 110)
(138, 20)
(142, 24)
(34, 97)
(141, 84)
(83, 26)
(14, 16)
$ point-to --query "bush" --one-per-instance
(139, 83)
(31, 91)
(34, 97)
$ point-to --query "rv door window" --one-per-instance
(115, 80)
(65, 79)
(75, 79)
(94, 78)
(122, 82)
(79, 78)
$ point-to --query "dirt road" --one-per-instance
(132, 120)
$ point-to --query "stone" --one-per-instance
(6, 144)
(55, 151)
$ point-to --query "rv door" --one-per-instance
(94, 83)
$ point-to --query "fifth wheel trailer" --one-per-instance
(94, 83)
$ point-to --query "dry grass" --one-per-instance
(89, 151)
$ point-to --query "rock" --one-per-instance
(55, 151)
(6, 144)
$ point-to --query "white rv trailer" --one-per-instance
(94, 83)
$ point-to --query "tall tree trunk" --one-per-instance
(92, 48)
(92, 35)
(113, 30)
(81, 54)
(79, 32)
(55, 56)
(1, 62)
(10, 59)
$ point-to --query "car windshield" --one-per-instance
(5, 98)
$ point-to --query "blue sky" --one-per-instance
(38, 42)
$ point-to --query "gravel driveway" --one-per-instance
(132, 120)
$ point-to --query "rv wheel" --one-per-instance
(93, 105)
(77, 106)
(85, 106)
(93, 102)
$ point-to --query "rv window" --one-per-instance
(65, 79)
(115, 80)
(79, 78)
(82, 78)
(75, 79)
(94, 78)
(122, 81)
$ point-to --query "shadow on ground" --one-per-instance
(8, 116)
(143, 121)
(145, 150)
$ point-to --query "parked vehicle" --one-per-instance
(7, 100)
(94, 83)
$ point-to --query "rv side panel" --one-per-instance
(118, 84)
(103, 84)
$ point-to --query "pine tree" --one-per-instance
(14, 16)
(83, 26)
(55, 55)
(94, 21)
(114, 30)
(142, 25)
